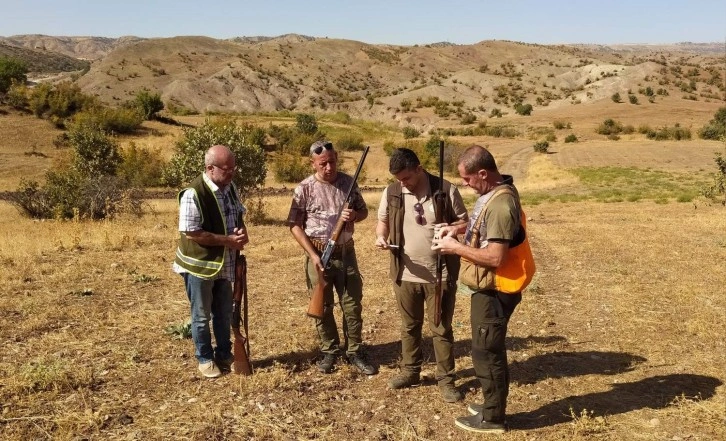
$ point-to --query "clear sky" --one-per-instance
(378, 21)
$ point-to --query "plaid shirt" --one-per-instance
(191, 220)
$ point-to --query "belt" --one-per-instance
(337, 248)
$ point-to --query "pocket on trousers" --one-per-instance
(492, 333)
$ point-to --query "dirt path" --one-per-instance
(517, 164)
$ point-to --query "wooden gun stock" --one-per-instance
(241, 346)
(439, 200)
(317, 305)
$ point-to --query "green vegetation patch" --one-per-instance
(624, 184)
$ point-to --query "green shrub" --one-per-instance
(644, 129)
(291, 168)
(633, 99)
(410, 132)
(523, 109)
(111, 120)
(496, 112)
(306, 123)
(188, 159)
(571, 138)
(541, 146)
(551, 137)
(468, 118)
(94, 153)
(348, 143)
(17, 95)
(677, 132)
(716, 128)
(141, 167)
(616, 98)
(718, 188)
(12, 70)
(340, 117)
(148, 104)
(609, 127)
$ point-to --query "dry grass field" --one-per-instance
(619, 337)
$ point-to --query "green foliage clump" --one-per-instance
(112, 120)
(410, 132)
(609, 127)
(341, 117)
(571, 138)
(306, 123)
(541, 146)
(60, 101)
(85, 188)
(633, 99)
(716, 128)
(347, 143)
(148, 104)
(677, 132)
(616, 98)
(718, 187)
(290, 167)
(11, 70)
(17, 95)
(141, 167)
(188, 159)
(523, 109)
(559, 125)
(496, 112)
(468, 118)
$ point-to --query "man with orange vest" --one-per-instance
(488, 260)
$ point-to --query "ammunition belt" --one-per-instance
(337, 249)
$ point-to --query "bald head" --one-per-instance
(218, 154)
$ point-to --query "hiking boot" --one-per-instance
(326, 365)
(226, 364)
(449, 393)
(475, 423)
(404, 379)
(209, 369)
(475, 408)
(360, 362)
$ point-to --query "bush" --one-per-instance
(571, 138)
(11, 70)
(306, 123)
(523, 109)
(59, 102)
(148, 104)
(716, 128)
(118, 120)
(188, 159)
(141, 167)
(17, 95)
(410, 132)
(633, 99)
(88, 188)
(541, 146)
(609, 127)
(469, 118)
(347, 143)
(291, 168)
(559, 125)
(718, 188)
(495, 113)
(616, 98)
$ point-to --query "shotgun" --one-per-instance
(316, 306)
(241, 347)
(439, 208)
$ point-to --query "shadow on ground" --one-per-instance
(654, 393)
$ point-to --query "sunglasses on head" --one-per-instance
(327, 146)
(418, 208)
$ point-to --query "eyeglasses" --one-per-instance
(226, 169)
(418, 208)
(319, 149)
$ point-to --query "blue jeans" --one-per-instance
(210, 300)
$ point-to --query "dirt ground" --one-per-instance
(620, 335)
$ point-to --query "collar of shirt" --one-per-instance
(215, 188)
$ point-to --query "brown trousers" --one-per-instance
(411, 299)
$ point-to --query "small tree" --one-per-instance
(523, 109)
(541, 146)
(716, 128)
(188, 159)
(306, 123)
(11, 70)
(148, 104)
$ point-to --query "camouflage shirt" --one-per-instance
(315, 206)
